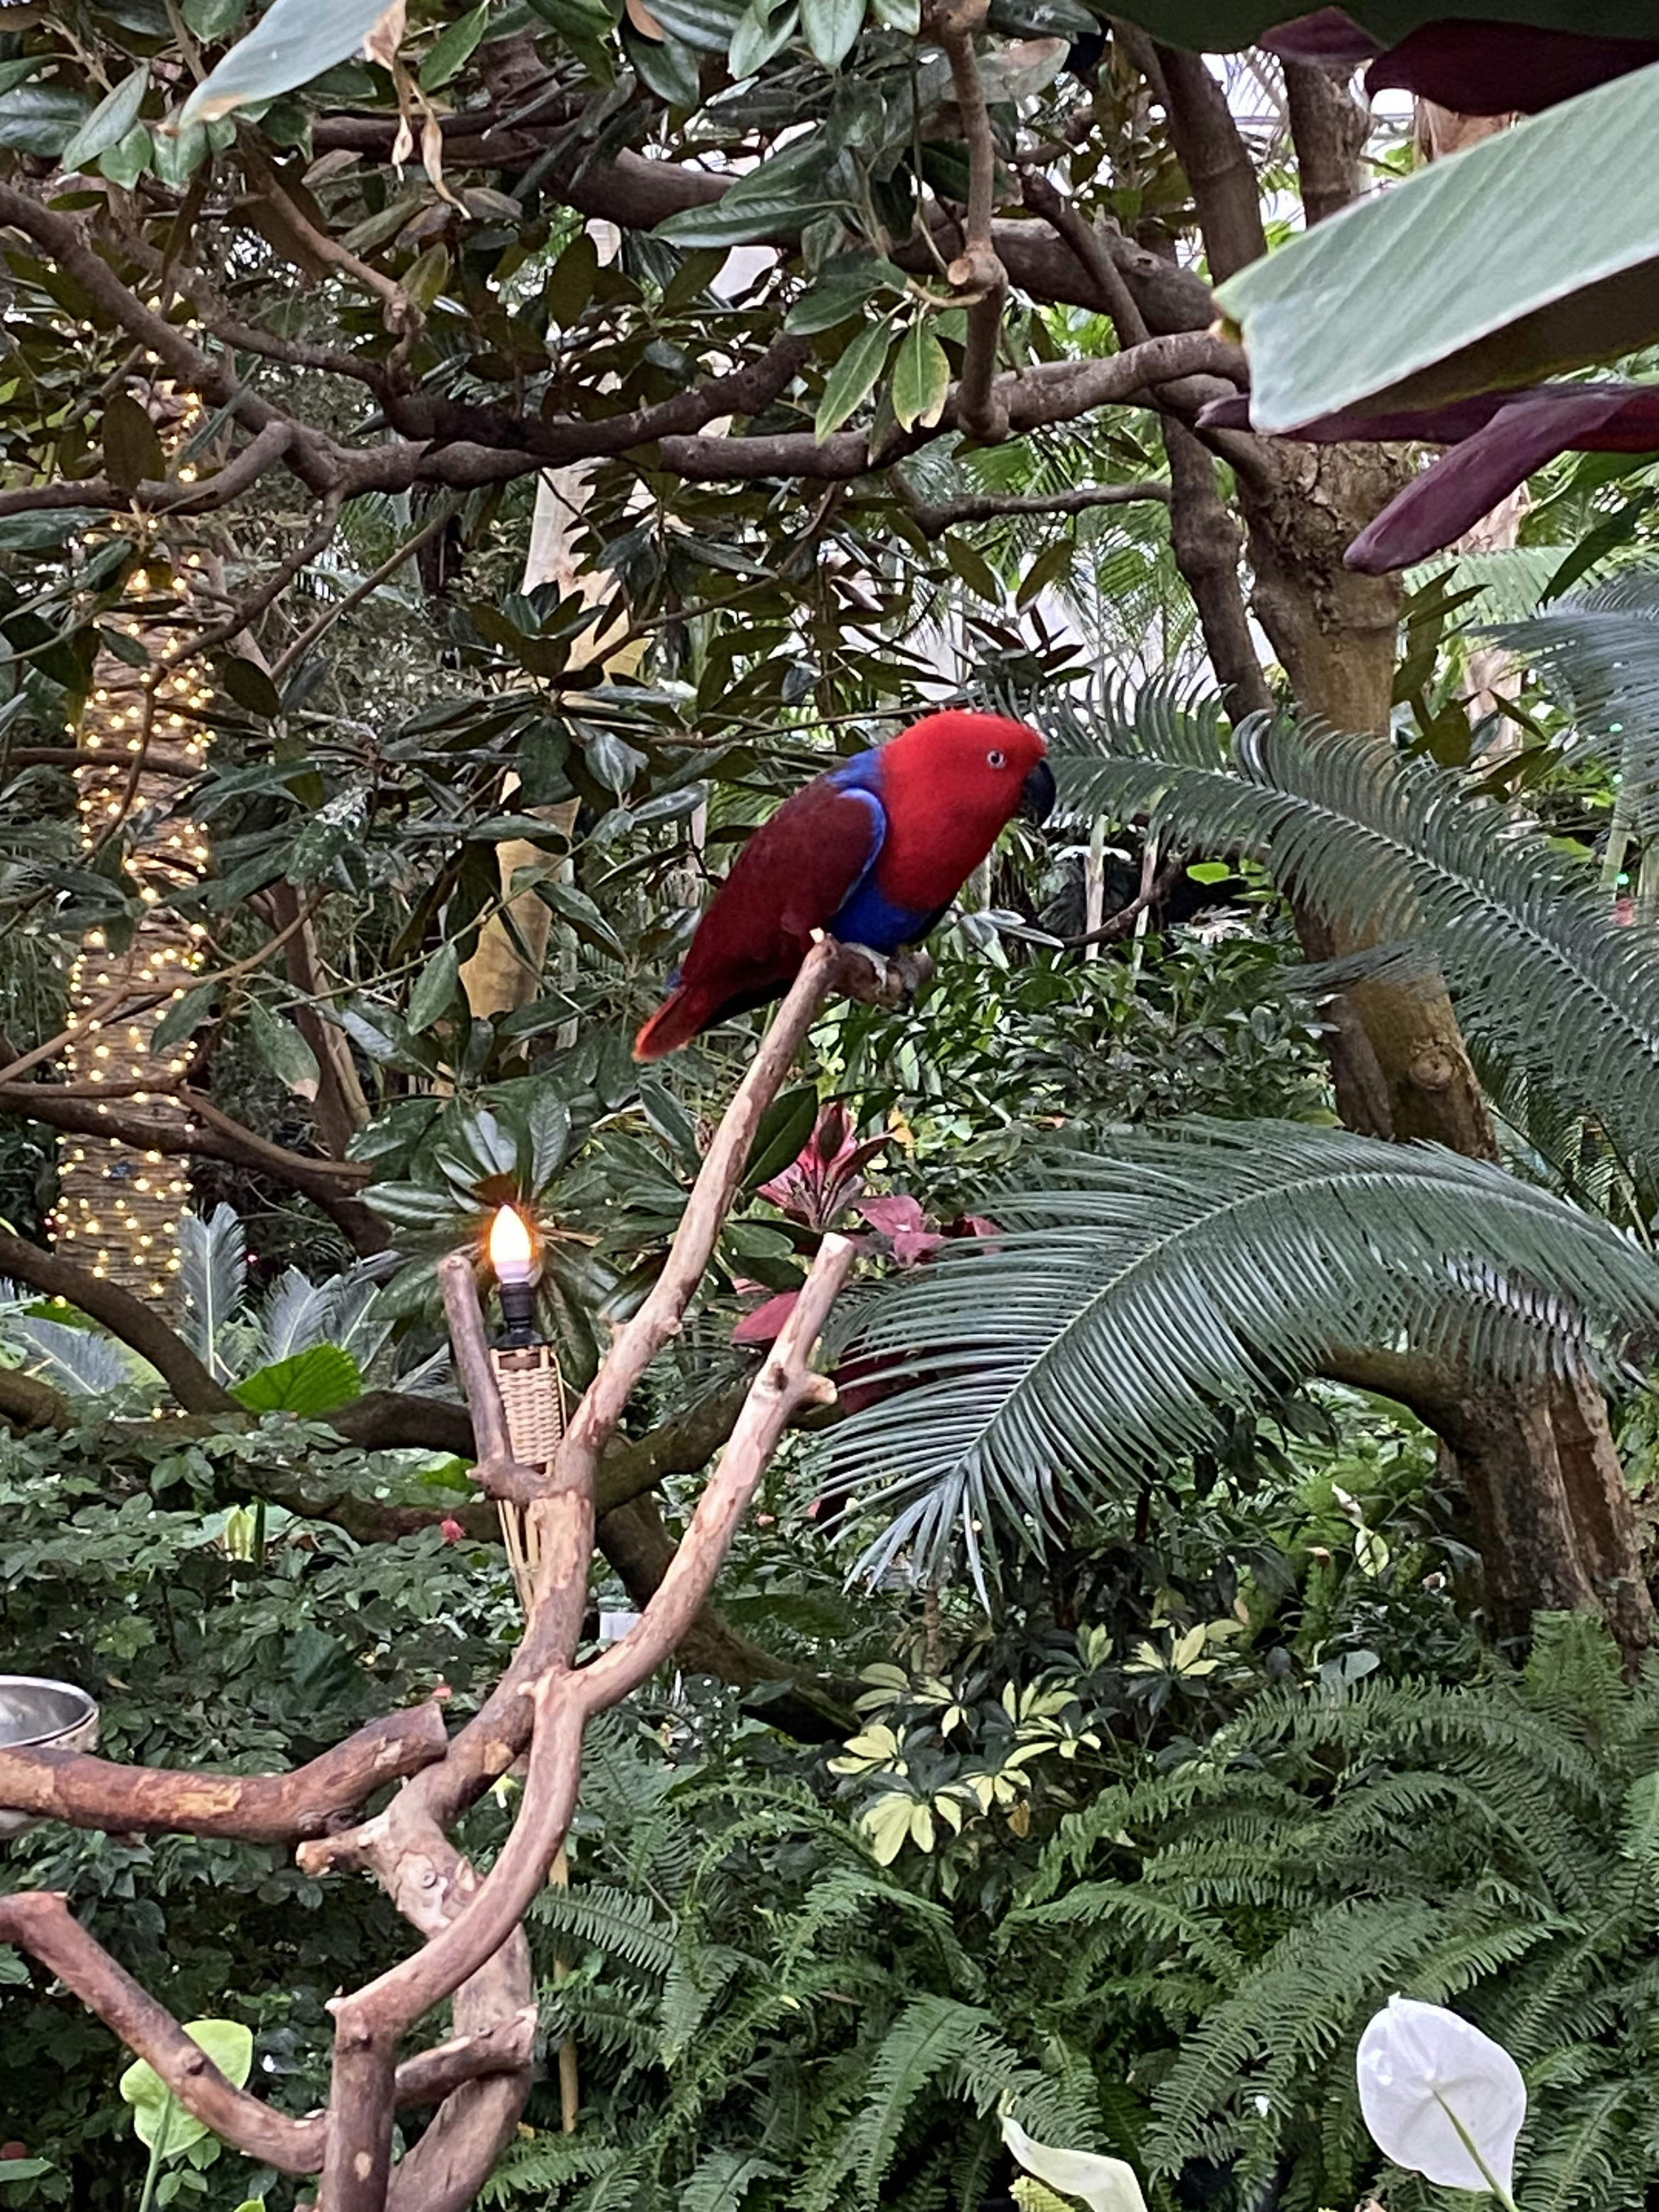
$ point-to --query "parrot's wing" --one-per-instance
(793, 876)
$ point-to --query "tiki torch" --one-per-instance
(527, 1375)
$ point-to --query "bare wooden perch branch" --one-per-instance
(474, 1949)
(254, 1808)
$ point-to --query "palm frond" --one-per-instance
(1543, 974)
(1095, 1338)
(212, 1278)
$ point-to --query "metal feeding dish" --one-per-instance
(39, 1714)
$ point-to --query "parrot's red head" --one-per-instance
(952, 782)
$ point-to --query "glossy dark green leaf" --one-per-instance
(38, 533)
(763, 30)
(454, 47)
(41, 118)
(853, 379)
(831, 28)
(708, 25)
(434, 988)
(109, 122)
(132, 445)
(921, 377)
(667, 67)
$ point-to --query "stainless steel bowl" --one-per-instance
(36, 1714)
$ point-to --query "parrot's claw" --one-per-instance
(891, 983)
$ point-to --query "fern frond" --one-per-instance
(613, 1921)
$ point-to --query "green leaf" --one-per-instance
(1047, 568)
(453, 48)
(250, 686)
(975, 570)
(41, 118)
(213, 20)
(283, 1051)
(570, 281)
(23, 2169)
(853, 379)
(124, 164)
(832, 27)
(840, 292)
(903, 16)
(434, 989)
(764, 28)
(183, 1018)
(776, 199)
(921, 378)
(665, 66)
(159, 2120)
(176, 156)
(132, 445)
(785, 1126)
(36, 533)
(295, 41)
(708, 25)
(15, 72)
(1465, 277)
(312, 1382)
(109, 122)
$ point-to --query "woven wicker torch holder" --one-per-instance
(533, 1398)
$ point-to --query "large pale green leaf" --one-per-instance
(1467, 276)
(1222, 26)
(294, 42)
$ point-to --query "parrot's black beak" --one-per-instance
(1037, 793)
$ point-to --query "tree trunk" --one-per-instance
(1549, 1507)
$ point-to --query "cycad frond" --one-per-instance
(1543, 974)
(1096, 1336)
(212, 1278)
(1599, 655)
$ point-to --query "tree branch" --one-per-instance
(88, 1792)
(986, 507)
(1327, 128)
(976, 274)
(124, 1316)
(1215, 158)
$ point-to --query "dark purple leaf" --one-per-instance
(1502, 68)
(1452, 496)
(1329, 37)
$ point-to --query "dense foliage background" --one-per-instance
(1221, 1597)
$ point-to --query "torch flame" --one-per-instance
(510, 1248)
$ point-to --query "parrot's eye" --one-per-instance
(996, 760)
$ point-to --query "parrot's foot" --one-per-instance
(879, 981)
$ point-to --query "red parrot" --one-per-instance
(873, 852)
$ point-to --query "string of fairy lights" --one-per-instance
(142, 729)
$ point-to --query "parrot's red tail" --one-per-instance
(682, 1014)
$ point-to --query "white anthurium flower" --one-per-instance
(1440, 2098)
(1105, 2184)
